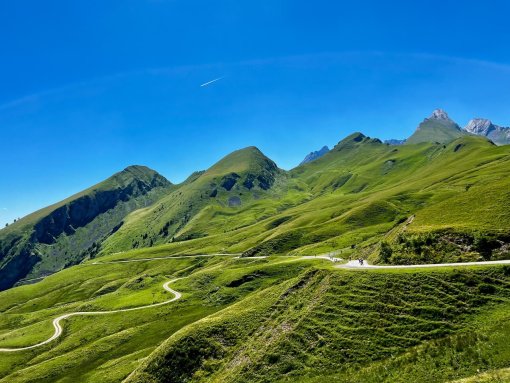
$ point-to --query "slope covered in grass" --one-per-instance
(343, 327)
(437, 128)
(68, 231)
(360, 193)
(256, 320)
(106, 348)
(236, 182)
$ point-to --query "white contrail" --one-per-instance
(210, 82)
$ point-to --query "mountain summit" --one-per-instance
(439, 127)
(484, 127)
(439, 114)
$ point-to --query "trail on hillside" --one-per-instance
(354, 264)
(159, 258)
(56, 322)
(59, 330)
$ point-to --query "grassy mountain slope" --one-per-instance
(360, 193)
(437, 128)
(238, 182)
(324, 326)
(66, 232)
(257, 320)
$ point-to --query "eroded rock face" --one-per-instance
(228, 181)
(439, 114)
(480, 126)
(80, 212)
(484, 127)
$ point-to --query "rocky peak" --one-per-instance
(480, 126)
(484, 127)
(439, 114)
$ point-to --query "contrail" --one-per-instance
(210, 82)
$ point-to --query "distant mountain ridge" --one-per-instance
(484, 127)
(439, 127)
(138, 208)
(393, 141)
(314, 155)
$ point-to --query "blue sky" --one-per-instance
(90, 87)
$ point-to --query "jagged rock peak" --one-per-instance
(479, 126)
(393, 141)
(439, 114)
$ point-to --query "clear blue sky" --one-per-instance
(88, 87)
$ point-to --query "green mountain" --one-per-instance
(237, 182)
(69, 231)
(437, 128)
(360, 193)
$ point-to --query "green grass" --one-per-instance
(344, 327)
(254, 320)
(88, 343)
(358, 194)
(65, 233)
(435, 130)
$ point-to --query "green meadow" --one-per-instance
(256, 320)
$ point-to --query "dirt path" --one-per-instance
(349, 265)
(59, 330)
(159, 258)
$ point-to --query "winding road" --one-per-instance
(177, 295)
(59, 330)
(56, 322)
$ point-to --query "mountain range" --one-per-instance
(353, 195)
(439, 127)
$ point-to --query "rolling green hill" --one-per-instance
(257, 320)
(238, 182)
(360, 194)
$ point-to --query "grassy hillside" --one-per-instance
(281, 318)
(244, 181)
(436, 129)
(346, 327)
(69, 231)
(257, 320)
(361, 193)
